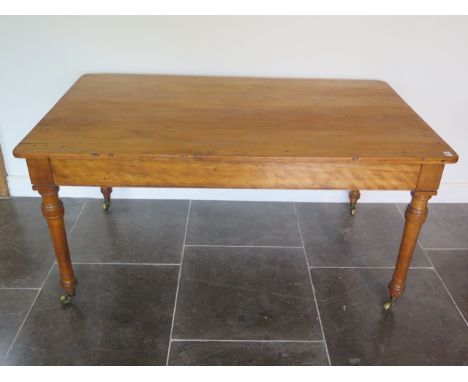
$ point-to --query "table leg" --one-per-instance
(354, 196)
(53, 211)
(106, 192)
(415, 215)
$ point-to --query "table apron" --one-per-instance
(215, 174)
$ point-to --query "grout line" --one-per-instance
(431, 268)
(432, 249)
(446, 289)
(43, 283)
(440, 278)
(446, 249)
(27, 313)
(401, 213)
(261, 341)
(241, 246)
(150, 264)
(18, 288)
(312, 285)
(178, 284)
(77, 217)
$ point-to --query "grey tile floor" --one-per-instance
(232, 283)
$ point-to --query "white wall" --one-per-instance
(424, 58)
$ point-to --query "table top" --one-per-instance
(228, 118)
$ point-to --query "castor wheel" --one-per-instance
(354, 196)
(105, 206)
(66, 299)
(106, 193)
(389, 303)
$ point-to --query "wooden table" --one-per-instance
(178, 131)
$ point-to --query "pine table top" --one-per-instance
(228, 118)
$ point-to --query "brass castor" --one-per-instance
(389, 303)
(106, 192)
(354, 196)
(106, 205)
(66, 299)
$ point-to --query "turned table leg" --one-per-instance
(354, 196)
(53, 211)
(106, 192)
(415, 215)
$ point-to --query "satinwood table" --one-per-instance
(114, 130)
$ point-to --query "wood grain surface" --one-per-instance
(222, 118)
(202, 174)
